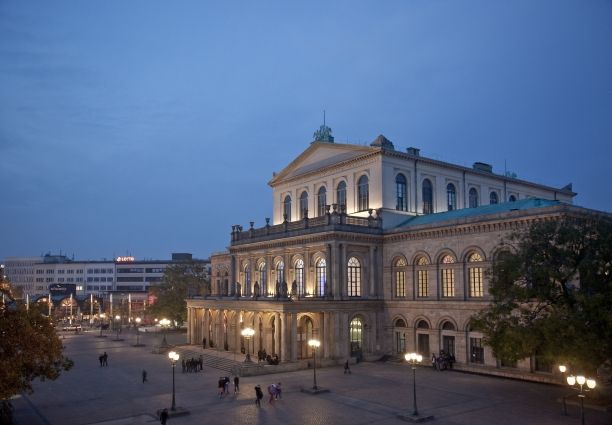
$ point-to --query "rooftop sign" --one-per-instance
(126, 259)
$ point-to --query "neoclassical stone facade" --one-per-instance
(378, 268)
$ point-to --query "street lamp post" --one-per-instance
(137, 320)
(174, 356)
(118, 326)
(164, 324)
(248, 333)
(414, 359)
(577, 383)
(314, 344)
(102, 316)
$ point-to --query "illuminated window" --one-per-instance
(354, 277)
(247, 279)
(299, 276)
(321, 277)
(356, 334)
(263, 279)
(280, 273)
(422, 277)
(447, 276)
(475, 275)
(400, 278)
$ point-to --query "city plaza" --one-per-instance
(375, 392)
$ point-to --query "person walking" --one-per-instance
(105, 359)
(163, 416)
(434, 361)
(347, 369)
(258, 395)
(144, 376)
(272, 392)
(236, 384)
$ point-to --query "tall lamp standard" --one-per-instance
(314, 344)
(164, 324)
(174, 356)
(580, 380)
(102, 316)
(138, 320)
(117, 326)
(248, 333)
(414, 359)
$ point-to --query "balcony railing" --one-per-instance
(333, 220)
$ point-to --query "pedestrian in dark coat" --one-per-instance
(258, 395)
(163, 416)
(144, 376)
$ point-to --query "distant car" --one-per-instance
(75, 328)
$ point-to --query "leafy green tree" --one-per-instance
(29, 347)
(180, 281)
(553, 294)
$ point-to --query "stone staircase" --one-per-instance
(208, 359)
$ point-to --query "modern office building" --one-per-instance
(375, 252)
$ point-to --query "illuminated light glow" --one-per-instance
(580, 379)
(571, 380)
(591, 383)
(562, 368)
(314, 343)
(124, 259)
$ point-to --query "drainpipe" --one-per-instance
(416, 191)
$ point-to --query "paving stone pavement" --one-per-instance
(375, 393)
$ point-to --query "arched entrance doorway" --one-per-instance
(356, 337)
(305, 333)
(399, 331)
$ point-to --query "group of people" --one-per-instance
(192, 364)
(224, 386)
(103, 359)
(274, 390)
(443, 361)
(271, 359)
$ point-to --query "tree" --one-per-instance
(553, 294)
(179, 282)
(29, 347)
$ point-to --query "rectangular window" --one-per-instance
(476, 351)
(90, 279)
(60, 279)
(96, 279)
(400, 283)
(79, 271)
(475, 279)
(423, 285)
(61, 271)
(50, 271)
(70, 271)
(49, 279)
(154, 270)
(131, 270)
(448, 282)
(130, 279)
(354, 281)
(89, 271)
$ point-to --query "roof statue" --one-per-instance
(323, 134)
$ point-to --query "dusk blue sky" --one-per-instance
(150, 127)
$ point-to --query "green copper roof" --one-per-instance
(523, 204)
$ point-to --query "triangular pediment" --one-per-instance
(320, 156)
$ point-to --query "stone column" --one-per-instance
(270, 289)
(327, 337)
(277, 333)
(293, 337)
(189, 326)
(233, 276)
(205, 326)
(237, 334)
(372, 268)
(284, 343)
(343, 272)
(330, 280)
(336, 271)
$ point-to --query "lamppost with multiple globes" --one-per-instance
(174, 356)
(578, 383)
(414, 359)
(314, 344)
(248, 333)
(164, 324)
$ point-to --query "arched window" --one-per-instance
(451, 197)
(356, 335)
(354, 277)
(341, 195)
(422, 324)
(401, 193)
(400, 277)
(263, 279)
(400, 336)
(427, 197)
(320, 278)
(321, 201)
(512, 198)
(475, 275)
(303, 204)
(447, 276)
(280, 273)
(473, 198)
(448, 326)
(287, 208)
(299, 276)
(247, 279)
(493, 199)
(363, 193)
(422, 277)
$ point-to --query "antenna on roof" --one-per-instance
(323, 116)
